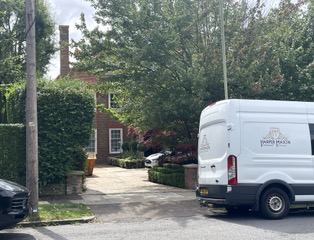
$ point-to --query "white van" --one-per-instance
(257, 155)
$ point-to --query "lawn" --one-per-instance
(52, 212)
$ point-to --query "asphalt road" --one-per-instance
(127, 206)
(207, 226)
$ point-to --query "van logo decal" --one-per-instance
(204, 144)
(275, 138)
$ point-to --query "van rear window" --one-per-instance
(312, 137)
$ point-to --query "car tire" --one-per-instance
(274, 204)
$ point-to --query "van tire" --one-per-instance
(274, 204)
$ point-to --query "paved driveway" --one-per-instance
(118, 194)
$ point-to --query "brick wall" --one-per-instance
(104, 122)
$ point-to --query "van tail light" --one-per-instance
(232, 170)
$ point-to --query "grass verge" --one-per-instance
(52, 212)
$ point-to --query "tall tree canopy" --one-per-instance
(272, 57)
(164, 56)
(12, 39)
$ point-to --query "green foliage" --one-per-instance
(155, 52)
(12, 153)
(12, 39)
(130, 150)
(166, 62)
(126, 162)
(133, 146)
(15, 103)
(168, 174)
(57, 211)
(65, 120)
(273, 54)
(2, 104)
(125, 146)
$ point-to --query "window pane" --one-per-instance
(92, 143)
(112, 103)
(115, 140)
(115, 134)
(115, 145)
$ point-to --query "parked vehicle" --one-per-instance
(256, 155)
(155, 159)
(14, 203)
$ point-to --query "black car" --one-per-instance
(14, 203)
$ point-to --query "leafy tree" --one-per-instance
(12, 39)
(164, 57)
(271, 54)
(164, 72)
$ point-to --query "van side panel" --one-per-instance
(274, 143)
(275, 151)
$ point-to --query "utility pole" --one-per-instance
(31, 110)
(223, 47)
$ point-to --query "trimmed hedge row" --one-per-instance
(167, 174)
(126, 162)
(2, 104)
(12, 152)
(65, 122)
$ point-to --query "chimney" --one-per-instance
(64, 50)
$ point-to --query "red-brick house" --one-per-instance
(109, 133)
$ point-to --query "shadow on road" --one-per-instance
(16, 236)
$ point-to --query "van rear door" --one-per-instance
(212, 155)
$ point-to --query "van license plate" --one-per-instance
(203, 191)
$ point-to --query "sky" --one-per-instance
(67, 12)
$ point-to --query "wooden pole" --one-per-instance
(31, 110)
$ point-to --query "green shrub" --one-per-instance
(65, 121)
(12, 152)
(126, 162)
(2, 104)
(133, 146)
(125, 146)
(113, 161)
(168, 174)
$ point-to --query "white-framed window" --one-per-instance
(111, 101)
(115, 140)
(91, 149)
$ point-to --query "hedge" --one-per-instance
(65, 121)
(12, 152)
(2, 104)
(126, 162)
(167, 174)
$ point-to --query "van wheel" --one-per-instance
(274, 204)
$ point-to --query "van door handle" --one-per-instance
(213, 166)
